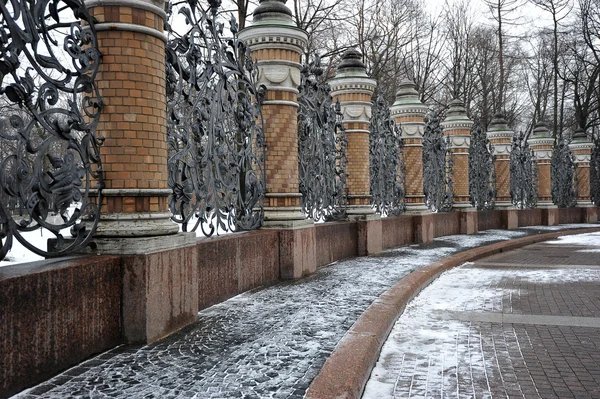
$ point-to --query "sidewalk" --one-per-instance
(270, 342)
(524, 324)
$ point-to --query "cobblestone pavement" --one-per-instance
(268, 343)
(524, 324)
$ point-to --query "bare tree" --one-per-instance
(559, 10)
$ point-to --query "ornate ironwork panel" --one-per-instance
(523, 173)
(438, 164)
(387, 167)
(49, 151)
(563, 175)
(322, 146)
(214, 125)
(482, 170)
(595, 170)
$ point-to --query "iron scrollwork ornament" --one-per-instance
(387, 167)
(438, 164)
(215, 131)
(595, 170)
(523, 173)
(563, 175)
(49, 152)
(482, 170)
(322, 144)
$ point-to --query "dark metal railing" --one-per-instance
(387, 167)
(482, 170)
(322, 146)
(49, 151)
(523, 173)
(563, 176)
(438, 164)
(214, 125)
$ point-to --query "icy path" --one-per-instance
(524, 324)
(266, 343)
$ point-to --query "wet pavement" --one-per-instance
(523, 324)
(267, 343)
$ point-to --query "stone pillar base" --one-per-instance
(589, 213)
(423, 227)
(469, 221)
(297, 241)
(510, 219)
(297, 252)
(160, 293)
(550, 216)
(135, 225)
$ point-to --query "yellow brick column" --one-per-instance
(581, 147)
(277, 46)
(500, 136)
(409, 112)
(541, 143)
(353, 89)
(457, 126)
(134, 156)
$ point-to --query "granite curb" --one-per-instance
(346, 371)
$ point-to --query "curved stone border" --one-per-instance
(345, 373)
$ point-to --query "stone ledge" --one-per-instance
(347, 370)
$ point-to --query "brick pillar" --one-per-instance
(160, 290)
(277, 46)
(409, 113)
(581, 147)
(354, 89)
(541, 143)
(132, 84)
(500, 137)
(457, 126)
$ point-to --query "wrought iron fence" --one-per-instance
(438, 164)
(387, 167)
(563, 175)
(482, 169)
(49, 151)
(595, 170)
(523, 173)
(322, 144)
(214, 125)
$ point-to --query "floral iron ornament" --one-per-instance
(523, 173)
(214, 125)
(438, 164)
(322, 147)
(387, 167)
(482, 171)
(563, 175)
(49, 152)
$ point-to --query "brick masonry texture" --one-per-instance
(357, 168)
(502, 178)
(281, 127)
(132, 82)
(544, 185)
(414, 171)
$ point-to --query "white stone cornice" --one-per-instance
(544, 141)
(502, 149)
(120, 26)
(460, 141)
(356, 111)
(279, 77)
(156, 7)
(579, 158)
(409, 110)
(581, 146)
(274, 36)
(504, 134)
(412, 130)
(542, 154)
